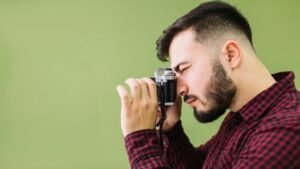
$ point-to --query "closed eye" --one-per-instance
(180, 67)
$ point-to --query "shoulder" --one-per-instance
(273, 139)
(282, 119)
(284, 114)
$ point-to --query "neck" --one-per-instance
(250, 84)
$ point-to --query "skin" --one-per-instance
(193, 61)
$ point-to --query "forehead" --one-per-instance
(184, 48)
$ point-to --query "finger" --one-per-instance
(135, 88)
(158, 114)
(125, 97)
(144, 89)
(152, 88)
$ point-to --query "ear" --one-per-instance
(232, 54)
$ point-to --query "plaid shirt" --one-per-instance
(265, 133)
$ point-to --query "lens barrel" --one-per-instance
(166, 85)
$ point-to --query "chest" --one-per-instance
(226, 146)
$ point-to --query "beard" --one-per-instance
(220, 92)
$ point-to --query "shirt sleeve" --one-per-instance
(181, 153)
(144, 150)
(273, 146)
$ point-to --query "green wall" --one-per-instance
(60, 61)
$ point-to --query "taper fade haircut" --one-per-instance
(209, 20)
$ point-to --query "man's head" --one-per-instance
(204, 46)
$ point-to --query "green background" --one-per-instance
(60, 61)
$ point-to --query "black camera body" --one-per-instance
(166, 86)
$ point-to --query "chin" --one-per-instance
(209, 115)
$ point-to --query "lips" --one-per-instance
(189, 99)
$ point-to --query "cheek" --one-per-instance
(199, 79)
(199, 83)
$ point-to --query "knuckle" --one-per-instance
(149, 81)
(125, 97)
(152, 84)
(143, 81)
(144, 104)
(150, 104)
(154, 102)
(133, 83)
(135, 86)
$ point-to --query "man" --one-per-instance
(210, 50)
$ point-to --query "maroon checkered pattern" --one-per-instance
(265, 133)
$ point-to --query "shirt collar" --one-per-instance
(257, 107)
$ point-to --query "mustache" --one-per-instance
(187, 97)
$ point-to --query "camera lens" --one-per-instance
(166, 85)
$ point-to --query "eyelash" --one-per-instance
(181, 70)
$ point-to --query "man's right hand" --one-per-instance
(173, 115)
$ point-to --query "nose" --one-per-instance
(182, 89)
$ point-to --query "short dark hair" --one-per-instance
(207, 20)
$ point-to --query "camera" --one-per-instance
(166, 86)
